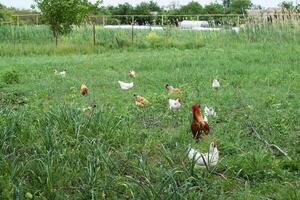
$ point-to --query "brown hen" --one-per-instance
(84, 89)
(140, 101)
(172, 90)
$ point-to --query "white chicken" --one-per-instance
(125, 86)
(210, 159)
(89, 108)
(205, 119)
(175, 104)
(216, 84)
(62, 74)
(209, 111)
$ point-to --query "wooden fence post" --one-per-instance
(132, 28)
(94, 34)
(103, 20)
(14, 34)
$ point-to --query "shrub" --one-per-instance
(152, 37)
(11, 77)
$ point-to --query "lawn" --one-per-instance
(51, 149)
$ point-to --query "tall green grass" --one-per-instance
(26, 40)
(51, 149)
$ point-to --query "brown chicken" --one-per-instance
(140, 101)
(172, 90)
(131, 73)
(198, 125)
(84, 89)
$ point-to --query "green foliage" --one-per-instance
(11, 77)
(192, 8)
(288, 5)
(6, 14)
(226, 3)
(214, 8)
(121, 9)
(145, 8)
(62, 14)
(1, 12)
(239, 6)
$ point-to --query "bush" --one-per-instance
(11, 77)
(152, 36)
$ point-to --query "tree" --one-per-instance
(122, 9)
(214, 8)
(239, 6)
(62, 14)
(192, 8)
(1, 12)
(226, 3)
(287, 5)
(145, 8)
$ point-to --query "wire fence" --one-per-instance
(123, 29)
(165, 20)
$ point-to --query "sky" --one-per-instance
(26, 3)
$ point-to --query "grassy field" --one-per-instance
(51, 149)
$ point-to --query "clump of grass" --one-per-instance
(11, 77)
(13, 98)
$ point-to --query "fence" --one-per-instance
(163, 20)
(99, 29)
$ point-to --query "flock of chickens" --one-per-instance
(199, 124)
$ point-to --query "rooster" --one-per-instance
(140, 101)
(172, 90)
(175, 104)
(84, 90)
(199, 125)
(131, 73)
(125, 86)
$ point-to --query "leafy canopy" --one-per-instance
(62, 14)
(288, 5)
(192, 8)
(214, 8)
(240, 6)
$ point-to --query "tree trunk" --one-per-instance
(55, 34)
(94, 34)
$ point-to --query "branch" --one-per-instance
(256, 134)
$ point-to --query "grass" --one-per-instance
(50, 149)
